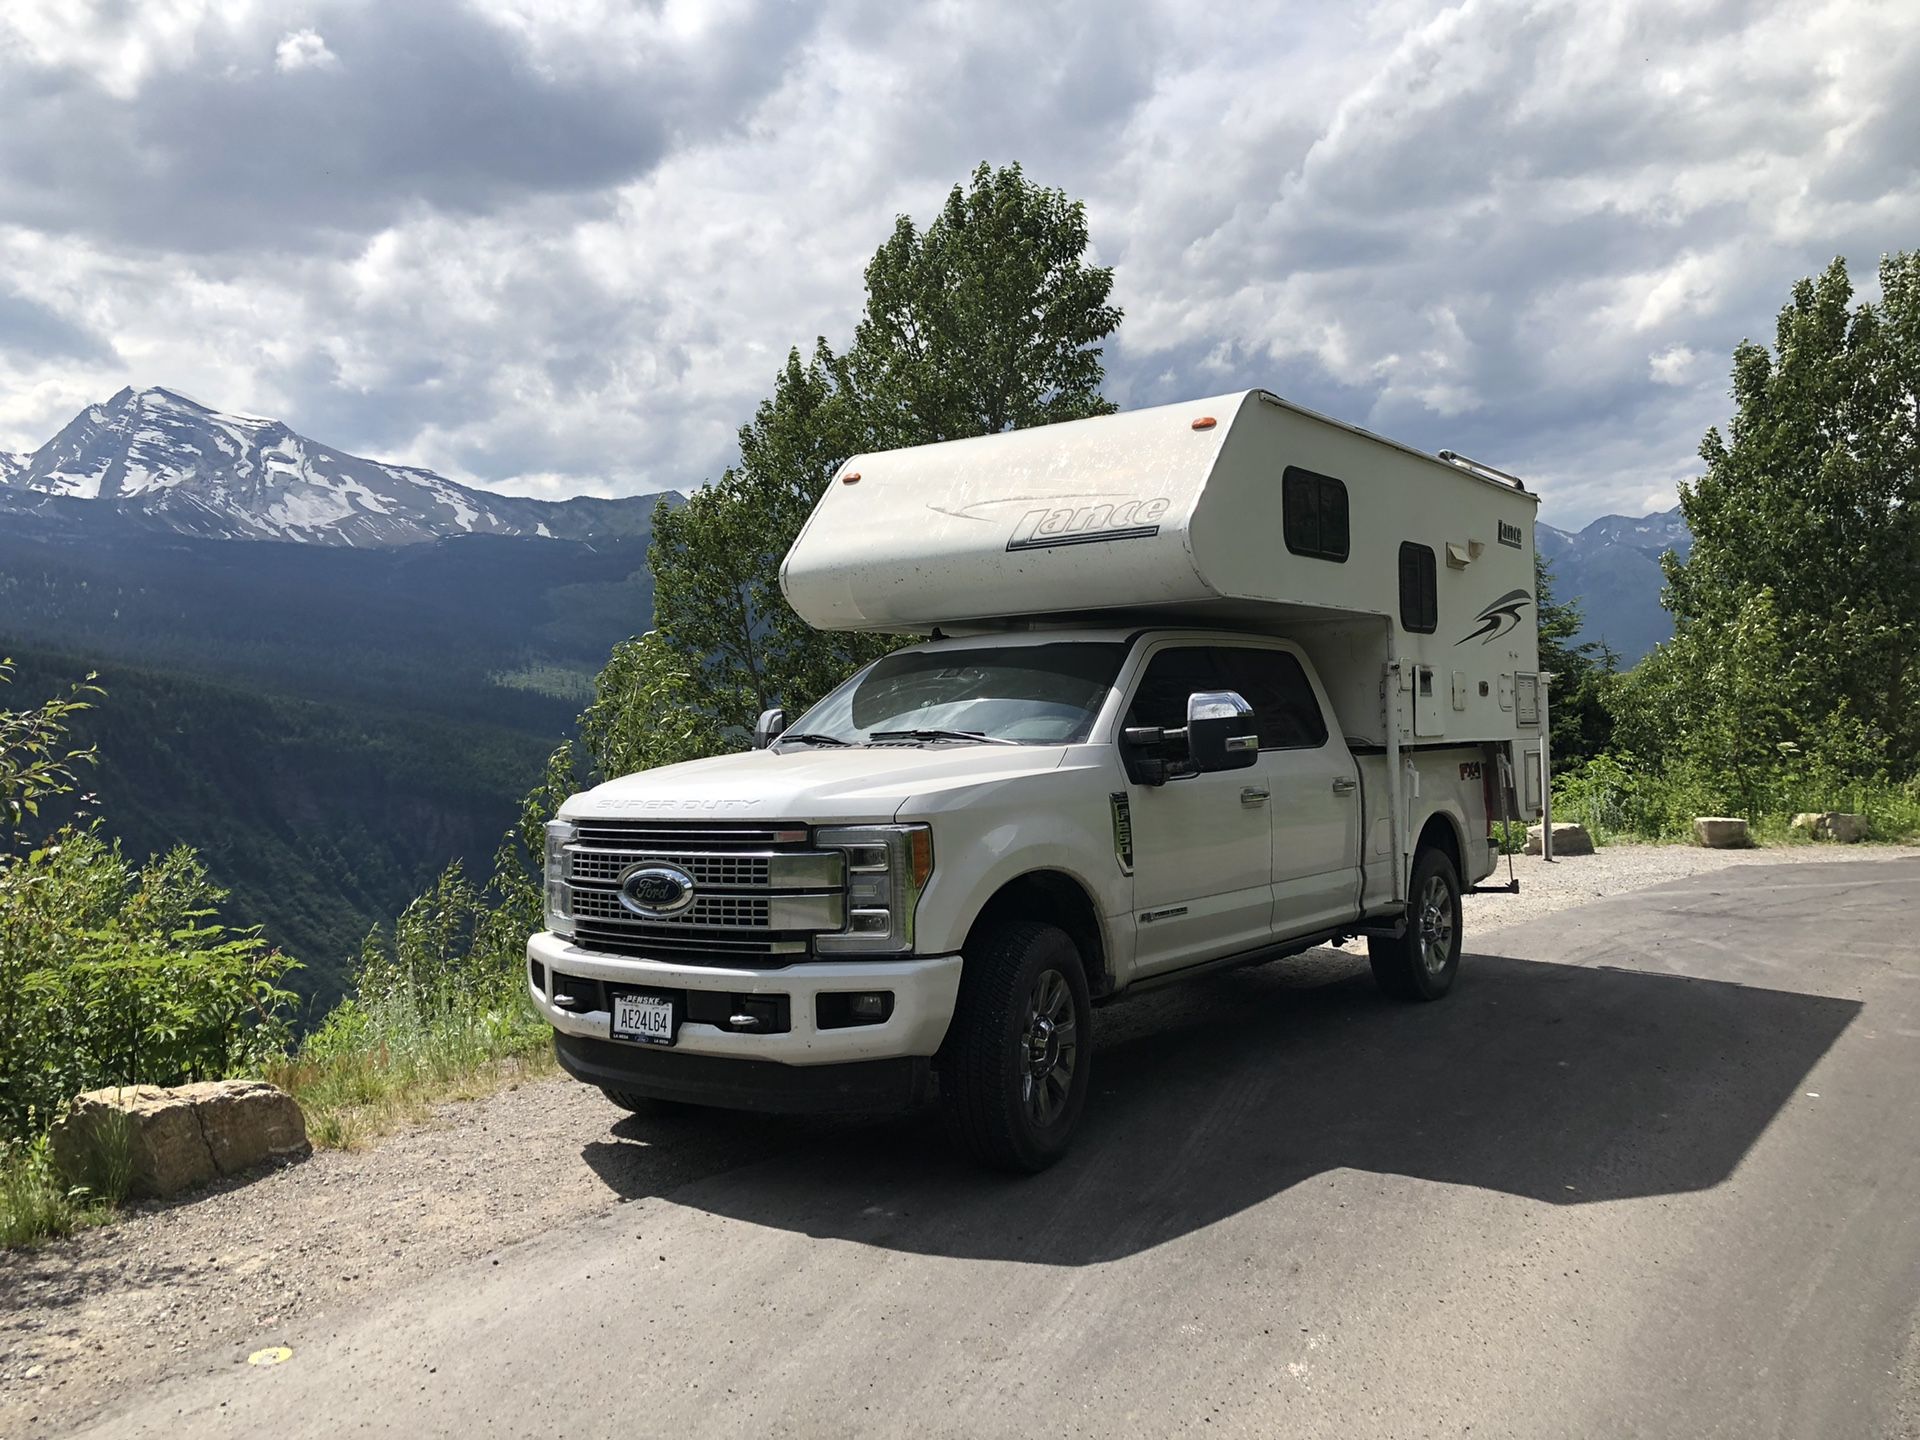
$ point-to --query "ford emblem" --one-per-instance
(656, 891)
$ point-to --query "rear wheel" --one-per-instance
(1420, 963)
(1014, 1068)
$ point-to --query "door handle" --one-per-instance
(1254, 795)
(1344, 785)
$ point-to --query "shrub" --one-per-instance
(116, 975)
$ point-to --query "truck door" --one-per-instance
(1202, 845)
(1316, 792)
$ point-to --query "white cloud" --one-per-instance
(565, 245)
(1675, 365)
(303, 50)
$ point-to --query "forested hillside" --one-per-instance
(320, 819)
(329, 727)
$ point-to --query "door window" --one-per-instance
(1284, 705)
(1172, 675)
(1286, 712)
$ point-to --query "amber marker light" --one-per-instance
(852, 477)
(1205, 422)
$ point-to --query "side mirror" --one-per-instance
(1220, 732)
(768, 727)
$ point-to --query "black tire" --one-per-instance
(1420, 963)
(645, 1104)
(1013, 1071)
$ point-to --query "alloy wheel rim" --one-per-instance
(1047, 1049)
(1436, 925)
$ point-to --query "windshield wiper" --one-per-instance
(808, 738)
(979, 736)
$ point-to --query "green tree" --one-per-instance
(990, 318)
(1806, 551)
(1582, 723)
(36, 763)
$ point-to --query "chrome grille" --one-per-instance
(719, 872)
(723, 912)
(760, 891)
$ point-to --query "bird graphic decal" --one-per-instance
(1498, 618)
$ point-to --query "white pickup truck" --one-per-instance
(1171, 718)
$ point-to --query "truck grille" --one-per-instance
(760, 891)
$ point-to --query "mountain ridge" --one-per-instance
(1611, 568)
(158, 456)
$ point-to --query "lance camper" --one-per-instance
(1194, 686)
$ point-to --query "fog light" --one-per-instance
(839, 1010)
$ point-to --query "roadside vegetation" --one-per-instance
(1792, 683)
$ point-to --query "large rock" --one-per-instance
(1721, 832)
(156, 1141)
(1837, 825)
(1568, 839)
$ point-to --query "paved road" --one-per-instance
(1653, 1169)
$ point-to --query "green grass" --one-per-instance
(36, 1204)
(371, 1070)
(1619, 801)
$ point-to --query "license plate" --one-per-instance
(646, 1018)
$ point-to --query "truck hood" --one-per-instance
(811, 783)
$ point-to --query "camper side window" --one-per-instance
(1313, 513)
(1419, 593)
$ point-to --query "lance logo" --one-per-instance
(1089, 524)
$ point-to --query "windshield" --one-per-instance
(1014, 694)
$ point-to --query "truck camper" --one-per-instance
(1199, 685)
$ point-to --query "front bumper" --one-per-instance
(924, 989)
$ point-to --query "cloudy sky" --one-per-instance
(560, 246)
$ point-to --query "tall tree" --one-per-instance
(1577, 710)
(990, 319)
(1806, 550)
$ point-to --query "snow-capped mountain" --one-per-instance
(157, 455)
(1612, 569)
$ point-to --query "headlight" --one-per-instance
(887, 868)
(559, 906)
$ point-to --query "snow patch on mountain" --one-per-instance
(156, 454)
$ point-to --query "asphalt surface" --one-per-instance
(1652, 1169)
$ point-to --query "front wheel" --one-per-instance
(1014, 1067)
(1420, 962)
(635, 1104)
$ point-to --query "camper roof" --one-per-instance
(1209, 508)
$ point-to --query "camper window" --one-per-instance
(1419, 595)
(1313, 514)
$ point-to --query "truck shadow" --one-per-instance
(1562, 1083)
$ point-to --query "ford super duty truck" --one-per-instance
(1203, 685)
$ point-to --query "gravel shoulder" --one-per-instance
(196, 1285)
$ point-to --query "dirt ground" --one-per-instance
(200, 1283)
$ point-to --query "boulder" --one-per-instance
(1837, 825)
(1568, 839)
(1721, 832)
(153, 1141)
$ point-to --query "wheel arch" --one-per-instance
(1442, 831)
(1056, 898)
